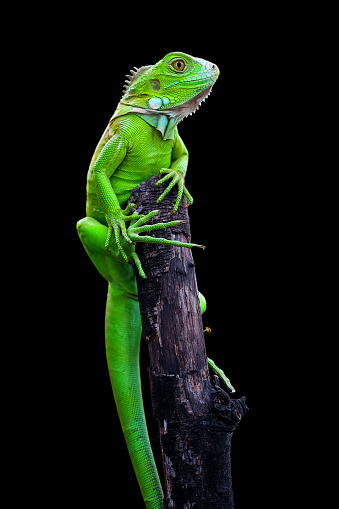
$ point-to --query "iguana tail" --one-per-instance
(123, 334)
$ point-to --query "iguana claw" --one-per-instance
(178, 178)
(138, 226)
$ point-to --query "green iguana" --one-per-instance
(141, 140)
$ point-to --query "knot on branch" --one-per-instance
(230, 411)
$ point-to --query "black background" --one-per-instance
(246, 179)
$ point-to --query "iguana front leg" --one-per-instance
(109, 159)
(177, 173)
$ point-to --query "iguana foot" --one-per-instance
(178, 178)
(221, 374)
(138, 226)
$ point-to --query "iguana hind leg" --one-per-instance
(122, 339)
(93, 236)
(221, 374)
(211, 363)
(203, 304)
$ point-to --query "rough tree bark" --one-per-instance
(196, 416)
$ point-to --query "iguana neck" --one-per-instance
(165, 120)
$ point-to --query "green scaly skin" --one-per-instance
(141, 140)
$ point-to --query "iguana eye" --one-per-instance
(179, 65)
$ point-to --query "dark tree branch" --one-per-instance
(196, 417)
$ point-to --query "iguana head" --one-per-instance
(175, 86)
